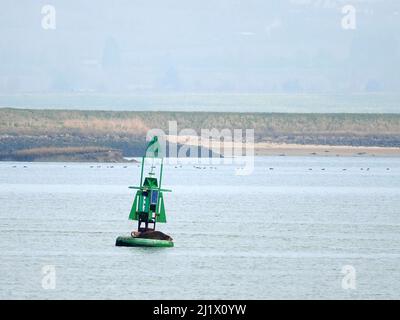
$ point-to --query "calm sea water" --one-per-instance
(285, 232)
(229, 102)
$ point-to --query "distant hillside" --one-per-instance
(126, 131)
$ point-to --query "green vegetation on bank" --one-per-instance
(65, 154)
(126, 131)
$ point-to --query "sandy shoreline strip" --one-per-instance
(265, 149)
(286, 149)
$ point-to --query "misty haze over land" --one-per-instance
(174, 47)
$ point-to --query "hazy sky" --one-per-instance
(157, 46)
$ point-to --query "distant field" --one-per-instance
(293, 103)
(22, 129)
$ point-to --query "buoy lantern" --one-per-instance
(148, 206)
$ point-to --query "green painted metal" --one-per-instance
(162, 216)
(148, 205)
(149, 198)
(133, 215)
(142, 242)
(153, 148)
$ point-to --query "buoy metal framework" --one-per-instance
(148, 206)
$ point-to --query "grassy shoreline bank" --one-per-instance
(125, 131)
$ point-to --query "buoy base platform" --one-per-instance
(129, 241)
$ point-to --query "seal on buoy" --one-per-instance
(151, 234)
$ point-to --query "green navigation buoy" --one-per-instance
(142, 242)
(148, 206)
